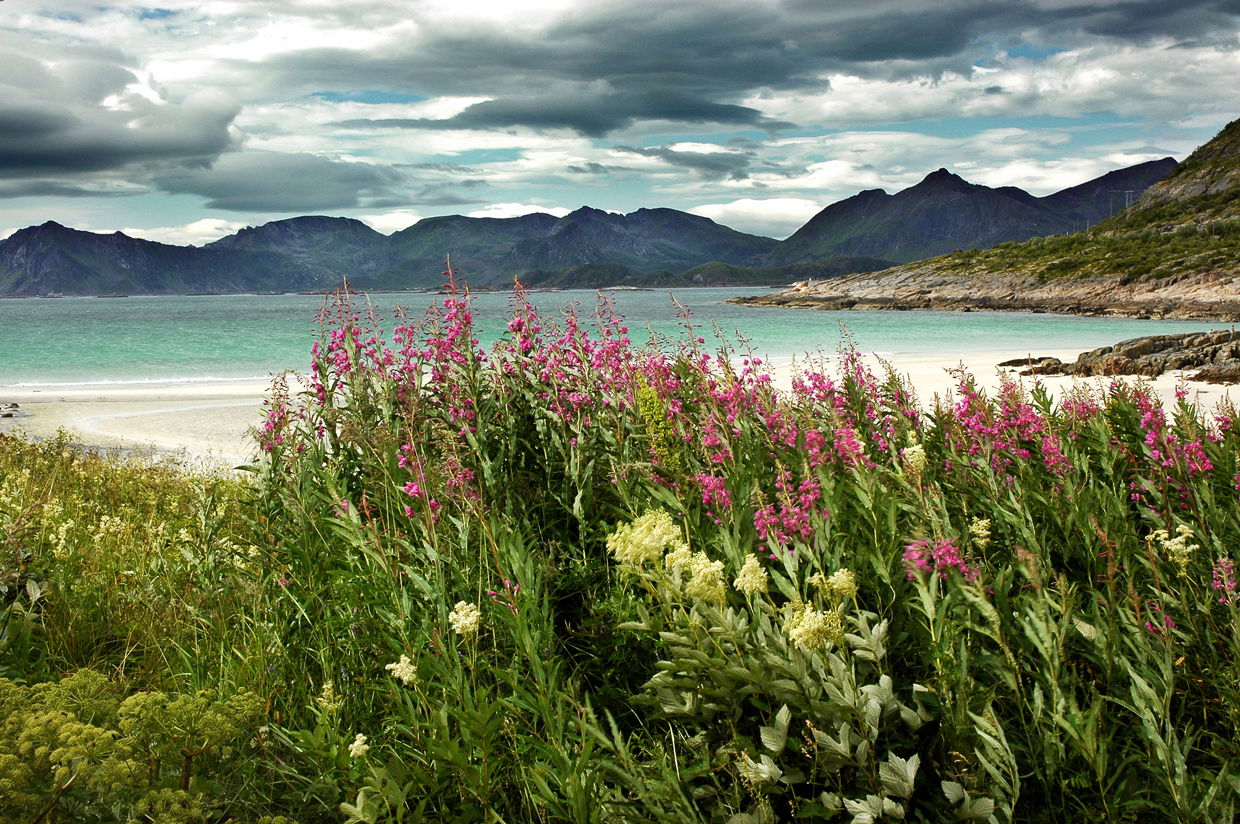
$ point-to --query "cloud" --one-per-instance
(196, 233)
(83, 111)
(704, 161)
(299, 183)
(587, 114)
(54, 188)
(775, 217)
(389, 222)
(517, 210)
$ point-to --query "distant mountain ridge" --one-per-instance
(585, 248)
(1174, 253)
(944, 213)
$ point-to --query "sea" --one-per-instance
(204, 338)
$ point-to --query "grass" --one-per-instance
(576, 579)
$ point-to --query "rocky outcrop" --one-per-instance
(1215, 354)
(1201, 296)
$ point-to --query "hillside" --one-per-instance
(315, 252)
(1174, 253)
(944, 213)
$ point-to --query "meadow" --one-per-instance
(576, 579)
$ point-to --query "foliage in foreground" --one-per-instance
(573, 579)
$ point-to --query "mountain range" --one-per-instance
(1175, 252)
(586, 248)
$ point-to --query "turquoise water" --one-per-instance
(174, 339)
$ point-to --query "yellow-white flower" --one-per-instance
(979, 528)
(643, 540)
(359, 747)
(915, 459)
(812, 629)
(404, 671)
(707, 581)
(465, 619)
(678, 558)
(752, 578)
(843, 584)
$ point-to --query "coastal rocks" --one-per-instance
(11, 410)
(1216, 354)
(1200, 296)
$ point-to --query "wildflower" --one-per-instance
(707, 581)
(643, 540)
(1224, 579)
(979, 528)
(359, 747)
(678, 558)
(752, 578)
(915, 459)
(328, 699)
(1178, 549)
(465, 618)
(403, 671)
(842, 584)
(811, 629)
(921, 558)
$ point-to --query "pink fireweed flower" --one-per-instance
(1159, 621)
(715, 492)
(921, 558)
(1224, 580)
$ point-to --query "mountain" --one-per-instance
(1175, 252)
(322, 247)
(317, 252)
(944, 212)
(477, 246)
(587, 247)
(54, 259)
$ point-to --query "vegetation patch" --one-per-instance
(574, 579)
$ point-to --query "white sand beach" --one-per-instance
(199, 424)
(209, 424)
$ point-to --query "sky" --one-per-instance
(183, 122)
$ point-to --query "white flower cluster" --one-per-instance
(359, 747)
(979, 528)
(404, 671)
(812, 629)
(465, 619)
(752, 578)
(1178, 549)
(643, 540)
(841, 586)
(915, 459)
(328, 699)
(706, 583)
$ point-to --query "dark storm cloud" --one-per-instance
(444, 194)
(594, 116)
(269, 182)
(47, 188)
(1146, 19)
(608, 67)
(74, 113)
(706, 165)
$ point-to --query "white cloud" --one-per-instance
(517, 210)
(389, 222)
(775, 217)
(1162, 80)
(195, 234)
